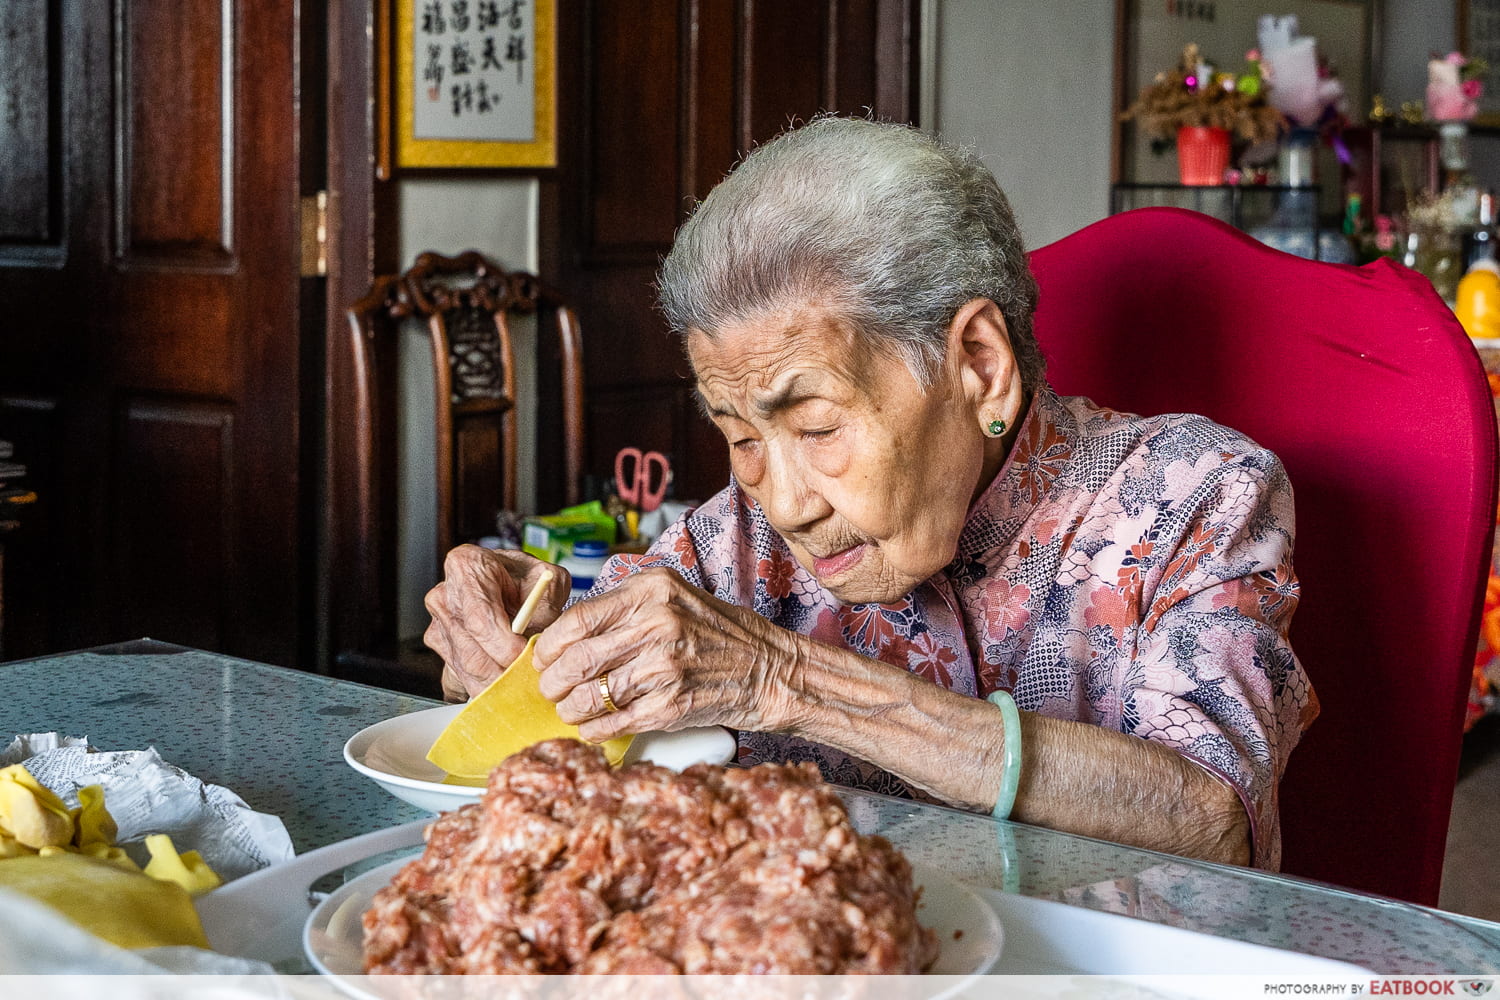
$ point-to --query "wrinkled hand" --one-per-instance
(472, 608)
(676, 657)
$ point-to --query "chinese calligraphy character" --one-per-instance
(463, 59)
(460, 15)
(470, 62)
(515, 51)
(463, 99)
(490, 59)
(432, 72)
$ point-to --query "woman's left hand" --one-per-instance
(675, 657)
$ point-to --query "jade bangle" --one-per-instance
(1010, 761)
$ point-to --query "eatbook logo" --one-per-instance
(1476, 987)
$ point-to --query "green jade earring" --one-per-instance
(996, 428)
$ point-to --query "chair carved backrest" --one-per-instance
(1365, 386)
(466, 305)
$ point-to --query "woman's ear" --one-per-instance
(979, 344)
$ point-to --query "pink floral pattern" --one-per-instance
(928, 658)
(1122, 571)
(777, 570)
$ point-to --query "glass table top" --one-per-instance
(275, 736)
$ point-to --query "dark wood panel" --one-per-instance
(176, 333)
(31, 167)
(267, 326)
(477, 462)
(357, 42)
(633, 113)
(175, 154)
(174, 471)
(851, 79)
(897, 42)
(33, 569)
(708, 134)
(153, 357)
(628, 344)
(784, 66)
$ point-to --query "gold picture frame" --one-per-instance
(434, 25)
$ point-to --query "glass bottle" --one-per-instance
(1458, 182)
(1479, 242)
(1297, 159)
(1435, 252)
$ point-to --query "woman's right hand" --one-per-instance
(472, 609)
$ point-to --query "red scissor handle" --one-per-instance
(641, 477)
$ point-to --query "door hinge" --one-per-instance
(315, 235)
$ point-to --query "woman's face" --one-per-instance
(867, 477)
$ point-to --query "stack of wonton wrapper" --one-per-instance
(145, 797)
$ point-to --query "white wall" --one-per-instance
(499, 219)
(1030, 87)
(1411, 30)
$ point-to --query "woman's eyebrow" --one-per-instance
(709, 410)
(794, 391)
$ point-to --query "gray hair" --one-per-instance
(889, 226)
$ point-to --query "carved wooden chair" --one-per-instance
(466, 305)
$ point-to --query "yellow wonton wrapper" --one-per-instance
(186, 869)
(121, 906)
(95, 825)
(30, 813)
(34, 822)
(508, 716)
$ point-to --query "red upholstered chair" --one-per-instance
(1364, 384)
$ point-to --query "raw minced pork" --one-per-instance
(565, 865)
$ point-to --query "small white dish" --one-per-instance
(970, 938)
(393, 753)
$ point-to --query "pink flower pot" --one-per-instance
(1202, 154)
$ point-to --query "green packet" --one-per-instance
(550, 537)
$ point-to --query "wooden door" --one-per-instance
(666, 97)
(149, 351)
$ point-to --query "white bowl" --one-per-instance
(393, 753)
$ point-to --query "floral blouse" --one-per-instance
(1128, 572)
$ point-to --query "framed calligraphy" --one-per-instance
(475, 83)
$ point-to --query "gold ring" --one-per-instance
(609, 703)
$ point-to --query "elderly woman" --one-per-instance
(921, 537)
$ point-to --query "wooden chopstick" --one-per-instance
(523, 617)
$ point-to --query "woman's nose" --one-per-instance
(787, 495)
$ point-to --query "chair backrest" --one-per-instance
(466, 305)
(1365, 386)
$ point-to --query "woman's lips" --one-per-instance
(837, 563)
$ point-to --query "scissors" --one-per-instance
(641, 478)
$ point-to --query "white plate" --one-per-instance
(1049, 938)
(969, 935)
(394, 754)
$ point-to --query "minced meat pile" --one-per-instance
(567, 866)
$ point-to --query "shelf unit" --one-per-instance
(1282, 216)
